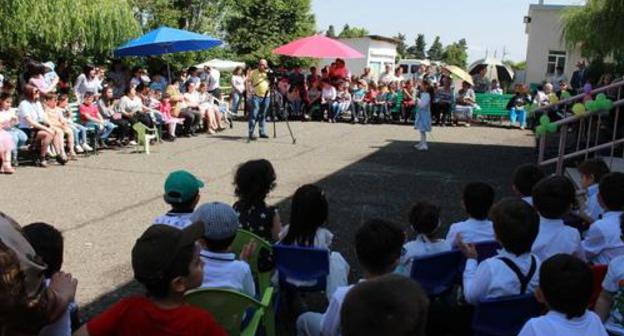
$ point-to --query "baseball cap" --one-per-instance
(154, 252)
(219, 220)
(181, 187)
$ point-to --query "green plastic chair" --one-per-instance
(228, 307)
(244, 237)
(144, 135)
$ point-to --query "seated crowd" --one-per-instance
(543, 251)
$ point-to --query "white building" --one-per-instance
(378, 51)
(546, 48)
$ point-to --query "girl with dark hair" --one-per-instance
(308, 215)
(87, 82)
(253, 182)
(238, 88)
(106, 105)
(32, 122)
(37, 79)
(422, 120)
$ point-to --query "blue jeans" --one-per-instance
(258, 114)
(519, 115)
(80, 134)
(103, 132)
(236, 99)
(19, 139)
(333, 110)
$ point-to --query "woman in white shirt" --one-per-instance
(87, 82)
(32, 121)
(210, 106)
(132, 109)
(238, 88)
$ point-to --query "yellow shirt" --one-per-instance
(259, 83)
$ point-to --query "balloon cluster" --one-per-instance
(545, 126)
(602, 103)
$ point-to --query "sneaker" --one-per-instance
(423, 147)
(86, 147)
(252, 138)
(79, 149)
(132, 143)
(264, 136)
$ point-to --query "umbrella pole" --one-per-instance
(169, 74)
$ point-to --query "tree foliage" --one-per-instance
(331, 31)
(83, 29)
(401, 47)
(436, 51)
(597, 28)
(456, 54)
(418, 49)
(256, 27)
(352, 32)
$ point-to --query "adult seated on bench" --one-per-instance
(466, 103)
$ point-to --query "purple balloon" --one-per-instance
(587, 88)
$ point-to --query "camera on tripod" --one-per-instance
(275, 76)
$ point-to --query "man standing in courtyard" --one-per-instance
(261, 100)
(579, 77)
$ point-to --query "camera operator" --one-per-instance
(260, 84)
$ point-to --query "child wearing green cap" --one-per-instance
(182, 193)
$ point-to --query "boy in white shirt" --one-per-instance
(424, 219)
(378, 245)
(592, 171)
(610, 304)
(514, 270)
(388, 305)
(565, 287)
(477, 199)
(182, 193)
(602, 240)
(524, 179)
(553, 198)
(221, 269)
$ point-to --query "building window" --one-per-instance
(555, 59)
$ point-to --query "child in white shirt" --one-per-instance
(602, 240)
(553, 198)
(610, 304)
(182, 193)
(592, 171)
(477, 199)
(524, 179)
(48, 243)
(378, 245)
(308, 215)
(565, 286)
(514, 270)
(424, 219)
(221, 269)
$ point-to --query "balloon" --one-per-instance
(578, 109)
(551, 128)
(544, 120)
(607, 104)
(587, 88)
(590, 105)
(601, 96)
(540, 130)
(553, 99)
(565, 95)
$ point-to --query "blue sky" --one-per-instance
(486, 24)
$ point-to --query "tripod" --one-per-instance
(271, 94)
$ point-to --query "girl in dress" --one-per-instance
(308, 216)
(56, 120)
(422, 121)
(8, 122)
(168, 119)
(6, 148)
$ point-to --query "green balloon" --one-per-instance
(591, 106)
(551, 128)
(607, 104)
(601, 96)
(540, 130)
(565, 95)
(544, 120)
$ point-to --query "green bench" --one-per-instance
(91, 133)
(492, 105)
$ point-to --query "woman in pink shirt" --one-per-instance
(170, 121)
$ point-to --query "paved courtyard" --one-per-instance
(103, 203)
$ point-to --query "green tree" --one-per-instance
(331, 32)
(597, 28)
(348, 32)
(401, 47)
(256, 27)
(85, 30)
(418, 49)
(456, 54)
(436, 51)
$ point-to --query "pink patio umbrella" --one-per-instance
(317, 46)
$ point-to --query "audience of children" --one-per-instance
(514, 270)
(592, 171)
(182, 194)
(478, 198)
(378, 246)
(525, 177)
(553, 198)
(565, 287)
(221, 269)
(602, 240)
(609, 305)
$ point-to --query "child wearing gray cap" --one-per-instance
(221, 269)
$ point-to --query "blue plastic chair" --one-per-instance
(504, 316)
(438, 273)
(302, 264)
(487, 250)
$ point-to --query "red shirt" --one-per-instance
(88, 110)
(138, 316)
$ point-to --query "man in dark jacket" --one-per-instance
(579, 77)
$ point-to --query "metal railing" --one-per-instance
(587, 140)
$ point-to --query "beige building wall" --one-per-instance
(545, 36)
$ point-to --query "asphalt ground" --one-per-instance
(103, 203)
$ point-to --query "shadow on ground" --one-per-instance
(386, 183)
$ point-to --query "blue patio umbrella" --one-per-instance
(165, 40)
